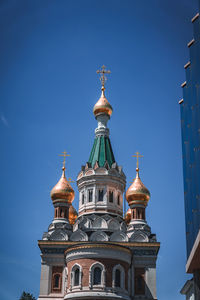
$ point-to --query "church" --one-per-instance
(98, 253)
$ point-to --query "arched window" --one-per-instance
(76, 276)
(97, 276)
(118, 278)
(56, 284)
(90, 195)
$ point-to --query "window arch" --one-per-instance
(97, 275)
(118, 277)
(76, 276)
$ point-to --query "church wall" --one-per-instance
(109, 264)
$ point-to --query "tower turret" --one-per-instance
(62, 196)
(101, 182)
(137, 197)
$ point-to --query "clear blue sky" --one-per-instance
(49, 53)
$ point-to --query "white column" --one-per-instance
(45, 280)
(151, 282)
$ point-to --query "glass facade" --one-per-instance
(190, 127)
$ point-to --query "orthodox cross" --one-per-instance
(64, 155)
(103, 71)
(137, 155)
(70, 180)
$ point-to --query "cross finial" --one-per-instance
(137, 155)
(103, 78)
(64, 155)
(70, 180)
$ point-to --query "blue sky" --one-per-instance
(49, 54)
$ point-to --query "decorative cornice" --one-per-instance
(42, 243)
(97, 245)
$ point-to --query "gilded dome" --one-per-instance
(62, 190)
(127, 216)
(102, 106)
(137, 193)
(72, 215)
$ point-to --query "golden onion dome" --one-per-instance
(137, 193)
(72, 215)
(102, 106)
(127, 216)
(62, 190)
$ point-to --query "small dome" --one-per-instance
(62, 190)
(137, 193)
(127, 216)
(102, 106)
(72, 215)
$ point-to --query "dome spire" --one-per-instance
(64, 154)
(137, 155)
(63, 190)
(102, 106)
(137, 193)
(103, 78)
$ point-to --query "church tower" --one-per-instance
(98, 253)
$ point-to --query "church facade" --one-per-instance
(97, 253)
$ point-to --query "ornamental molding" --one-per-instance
(105, 293)
(53, 250)
(100, 246)
(82, 254)
(141, 252)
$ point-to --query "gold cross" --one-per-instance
(70, 180)
(137, 154)
(64, 155)
(103, 71)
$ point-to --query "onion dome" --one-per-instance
(137, 193)
(102, 106)
(62, 190)
(72, 215)
(127, 216)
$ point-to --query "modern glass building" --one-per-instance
(190, 126)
